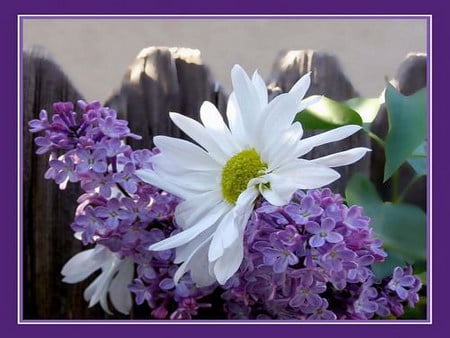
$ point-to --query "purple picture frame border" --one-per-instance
(10, 132)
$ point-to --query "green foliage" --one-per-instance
(401, 227)
(418, 159)
(327, 114)
(407, 126)
(367, 108)
(385, 269)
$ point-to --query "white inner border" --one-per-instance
(21, 321)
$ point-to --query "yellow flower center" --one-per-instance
(238, 171)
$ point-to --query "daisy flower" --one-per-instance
(258, 153)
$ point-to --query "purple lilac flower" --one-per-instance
(104, 182)
(88, 160)
(366, 303)
(307, 297)
(289, 237)
(310, 259)
(323, 233)
(113, 146)
(64, 169)
(337, 256)
(332, 278)
(112, 127)
(143, 292)
(113, 213)
(142, 158)
(321, 312)
(87, 224)
(277, 254)
(401, 282)
(127, 179)
(362, 271)
(41, 124)
(354, 219)
(305, 211)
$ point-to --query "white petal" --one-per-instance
(211, 118)
(197, 263)
(235, 122)
(261, 88)
(245, 201)
(217, 129)
(230, 261)
(190, 211)
(200, 135)
(185, 154)
(280, 113)
(248, 101)
(307, 175)
(281, 188)
(282, 146)
(90, 290)
(82, 265)
(195, 181)
(342, 158)
(300, 88)
(150, 177)
(306, 145)
(232, 226)
(101, 295)
(118, 291)
(183, 252)
(97, 292)
(190, 233)
(227, 232)
(309, 101)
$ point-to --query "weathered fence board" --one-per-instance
(47, 238)
(161, 80)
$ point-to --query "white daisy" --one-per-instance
(258, 153)
(114, 279)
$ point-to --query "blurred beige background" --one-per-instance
(95, 53)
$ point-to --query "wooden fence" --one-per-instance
(158, 81)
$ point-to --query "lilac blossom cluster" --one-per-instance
(311, 259)
(117, 209)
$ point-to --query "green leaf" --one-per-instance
(418, 159)
(401, 227)
(327, 114)
(362, 192)
(386, 268)
(407, 126)
(367, 108)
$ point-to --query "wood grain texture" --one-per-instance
(163, 80)
(48, 212)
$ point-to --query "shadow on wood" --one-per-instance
(48, 212)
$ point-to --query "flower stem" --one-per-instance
(122, 190)
(376, 138)
(395, 196)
